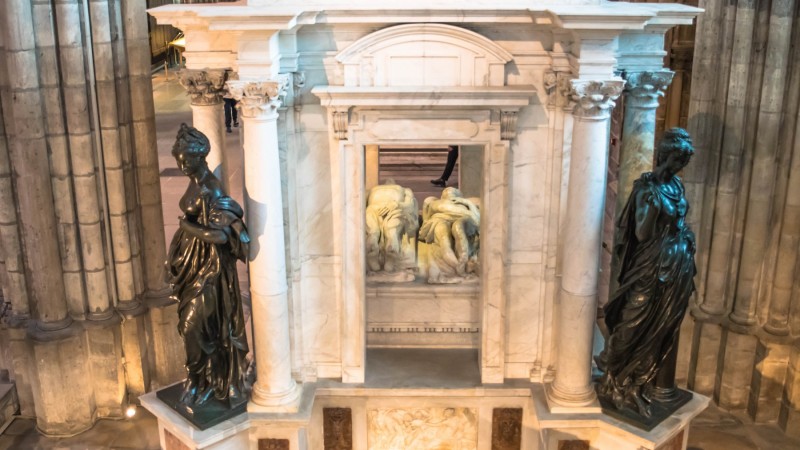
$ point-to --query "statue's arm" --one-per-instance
(647, 207)
(205, 234)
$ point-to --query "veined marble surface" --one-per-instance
(422, 429)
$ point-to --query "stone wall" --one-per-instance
(740, 343)
(81, 232)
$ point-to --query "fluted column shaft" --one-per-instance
(137, 44)
(766, 159)
(206, 87)
(274, 385)
(29, 161)
(113, 161)
(583, 231)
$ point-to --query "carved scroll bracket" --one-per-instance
(508, 125)
(341, 120)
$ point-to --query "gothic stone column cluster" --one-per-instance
(745, 193)
(81, 229)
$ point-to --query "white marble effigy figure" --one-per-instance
(392, 220)
(451, 225)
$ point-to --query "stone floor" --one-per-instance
(714, 429)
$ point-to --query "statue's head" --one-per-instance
(674, 149)
(190, 149)
(451, 192)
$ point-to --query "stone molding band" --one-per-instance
(204, 86)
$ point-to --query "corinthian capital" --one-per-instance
(644, 88)
(258, 97)
(205, 87)
(595, 98)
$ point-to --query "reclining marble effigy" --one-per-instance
(451, 227)
(392, 220)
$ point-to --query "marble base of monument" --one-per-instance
(603, 432)
(659, 410)
(203, 417)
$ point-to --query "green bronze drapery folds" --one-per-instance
(656, 250)
(201, 268)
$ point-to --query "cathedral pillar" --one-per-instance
(259, 102)
(206, 87)
(582, 230)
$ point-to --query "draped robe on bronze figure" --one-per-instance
(655, 283)
(205, 282)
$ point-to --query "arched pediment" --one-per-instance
(424, 55)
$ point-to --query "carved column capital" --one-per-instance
(644, 88)
(257, 98)
(206, 86)
(594, 99)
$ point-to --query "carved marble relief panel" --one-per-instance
(506, 428)
(422, 429)
(337, 426)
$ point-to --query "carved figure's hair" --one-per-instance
(674, 140)
(190, 141)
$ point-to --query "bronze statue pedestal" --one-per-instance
(205, 416)
(659, 410)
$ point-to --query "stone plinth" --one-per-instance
(421, 315)
(602, 432)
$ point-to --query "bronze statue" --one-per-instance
(656, 253)
(201, 268)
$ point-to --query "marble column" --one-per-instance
(205, 88)
(582, 230)
(642, 91)
(274, 390)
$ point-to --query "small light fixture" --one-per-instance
(131, 411)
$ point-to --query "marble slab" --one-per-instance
(423, 315)
(422, 428)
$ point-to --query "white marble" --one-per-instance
(422, 428)
(399, 76)
(392, 222)
(583, 230)
(274, 385)
(423, 316)
(451, 228)
(208, 120)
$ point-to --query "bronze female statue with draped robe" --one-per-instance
(656, 254)
(201, 269)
